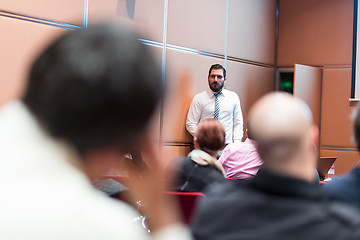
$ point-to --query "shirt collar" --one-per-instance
(211, 93)
(276, 184)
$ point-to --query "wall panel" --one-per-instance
(336, 124)
(168, 153)
(21, 41)
(146, 16)
(249, 82)
(66, 11)
(197, 24)
(315, 32)
(252, 30)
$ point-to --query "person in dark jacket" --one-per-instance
(200, 168)
(347, 187)
(282, 201)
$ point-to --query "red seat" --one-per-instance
(187, 202)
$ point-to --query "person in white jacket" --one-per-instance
(88, 100)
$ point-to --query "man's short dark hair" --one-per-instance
(217, 66)
(95, 88)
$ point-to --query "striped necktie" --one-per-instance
(216, 110)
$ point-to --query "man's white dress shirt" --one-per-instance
(203, 106)
(45, 196)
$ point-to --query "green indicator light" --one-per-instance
(286, 84)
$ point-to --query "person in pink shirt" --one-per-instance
(241, 160)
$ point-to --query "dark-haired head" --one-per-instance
(95, 88)
(217, 66)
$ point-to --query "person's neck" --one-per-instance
(213, 153)
(295, 169)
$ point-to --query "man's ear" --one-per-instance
(314, 135)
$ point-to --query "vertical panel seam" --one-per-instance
(354, 47)
(86, 11)
(226, 32)
(166, 2)
(321, 94)
(276, 84)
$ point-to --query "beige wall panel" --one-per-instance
(336, 124)
(66, 11)
(21, 41)
(197, 24)
(249, 82)
(186, 76)
(144, 15)
(307, 86)
(252, 30)
(315, 32)
(344, 162)
(168, 153)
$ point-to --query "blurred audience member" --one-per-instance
(347, 187)
(200, 168)
(281, 201)
(241, 160)
(88, 100)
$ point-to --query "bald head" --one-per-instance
(279, 114)
(283, 129)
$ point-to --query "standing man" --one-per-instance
(217, 103)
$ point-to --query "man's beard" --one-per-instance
(216, 88)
